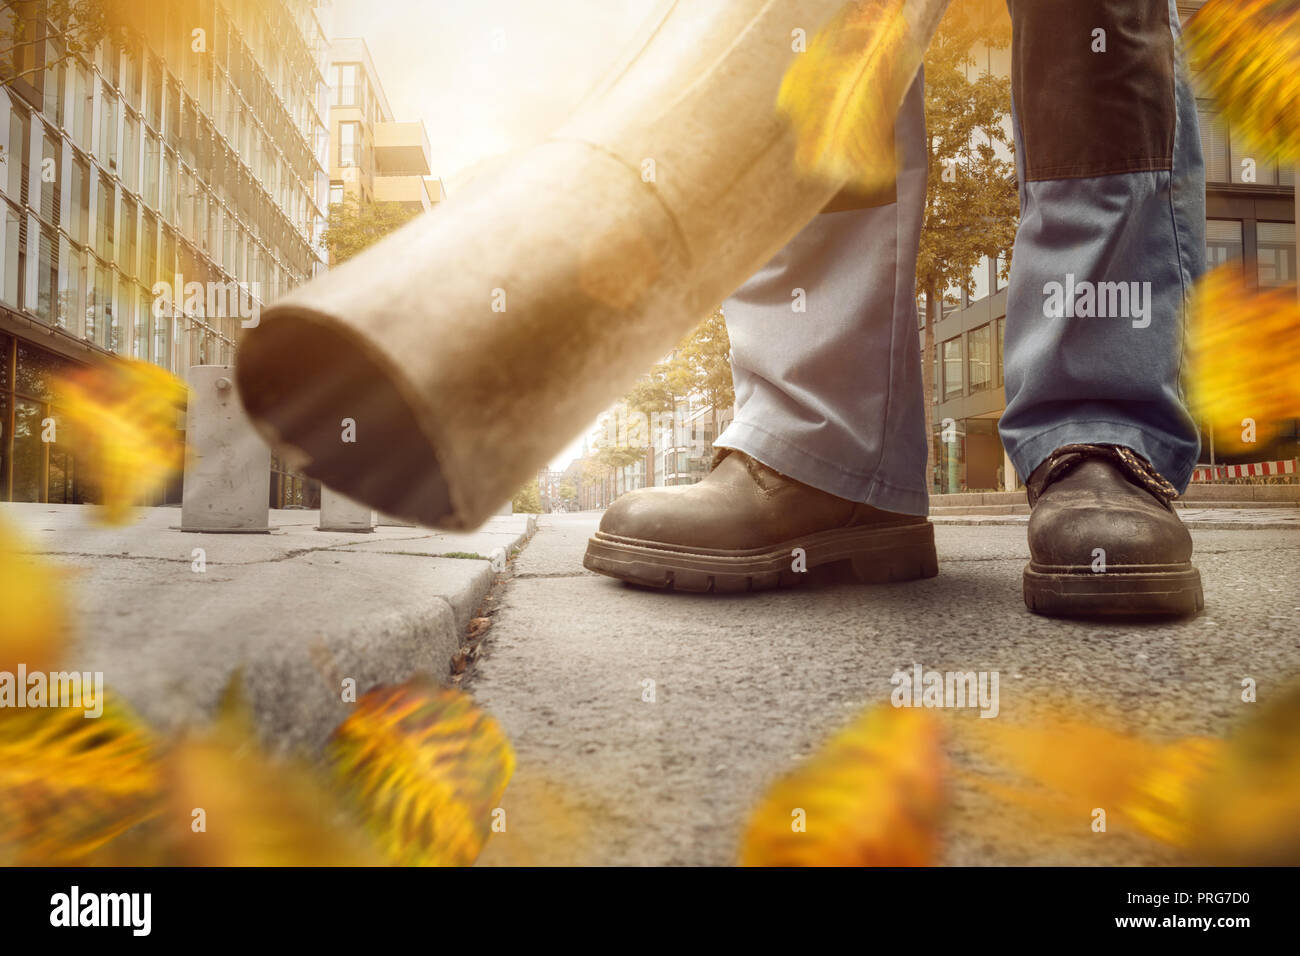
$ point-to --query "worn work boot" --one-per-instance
(746, 527)
(1104, 538)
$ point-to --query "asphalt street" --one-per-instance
(745, 685)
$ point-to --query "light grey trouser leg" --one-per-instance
(831, 396)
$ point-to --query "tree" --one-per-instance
(971, 204)
(78, 26)
(568, 491)
(699, 370)
(354, 225)
(704, 358)
(527, 500)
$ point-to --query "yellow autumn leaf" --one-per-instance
(1232, 377)
(842, 95)
(1059, 765)
(33, 626)
(122, 417)
(1160, 799)
(424, 768)
(546, 821)
(873, 795)
(1247, 811)
(1228, 801)
(1061, 768)
(229, 803)
(69, 783)
(1247, 55)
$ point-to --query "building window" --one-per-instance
(104, 227)
(347, 85)
(108, 129)
(162, 353)
(980, 359)
(148, 249)
(952, 367)
(152, 157)
(47, 276)
(1001, 265)
(132, 75)
(979, 287)
(42, 470)
(54, 82)
(997, 352)
(127, 261)
(78, 200)
(140, 349)
(1214, 145)
(9, 257)
(50, 178)
(69, 285)
(167, 198)
(336, 193)
(154, 104)
(1275, 252)
(131, 154)
(83, 98)
(1222, 241)
(349, 144)
(16, 154)
(951, 301)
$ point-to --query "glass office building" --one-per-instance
(192, 149)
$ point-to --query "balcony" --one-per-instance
(401, 149)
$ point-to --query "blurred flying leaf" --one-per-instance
(69, 783)
(1061, 765)
(551, 822)
(425, 768)
(123, 417)
(1232, 377)
(873, 795)
(1061, 768)
(1160, 800)
(1247, 54)
(1246, 810)
(1213, 800)
(33, 627)
(842, 95)
(257, 810)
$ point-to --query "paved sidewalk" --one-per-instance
(1204, 519)
(747, 684)
(298, 610)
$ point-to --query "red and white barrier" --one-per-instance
(1258, 469)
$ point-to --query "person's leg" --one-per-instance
(825, 462)
(825, 353)
(1111, 239)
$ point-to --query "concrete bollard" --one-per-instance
(339, 513)
(228, 470)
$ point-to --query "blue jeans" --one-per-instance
(1110, 241)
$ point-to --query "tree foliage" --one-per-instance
(354, 225)
(527, 500)
(972, 211)
(703, 361)
(75, 26)
(698, 371)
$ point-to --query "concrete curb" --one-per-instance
(296, 612)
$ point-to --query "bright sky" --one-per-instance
(488, 76)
